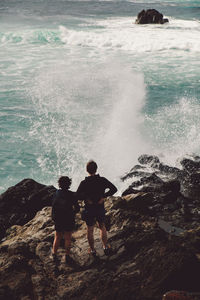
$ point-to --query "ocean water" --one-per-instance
(80, 80)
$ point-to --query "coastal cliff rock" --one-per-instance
(21, 202)
(150, 16)
(146, 262)
(155, 242)
(174, 191)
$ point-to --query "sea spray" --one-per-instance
(83, 114)
(173, 130)
(120, 142)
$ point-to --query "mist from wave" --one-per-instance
(82, 114)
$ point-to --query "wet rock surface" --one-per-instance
(154, 234)
(174, 192)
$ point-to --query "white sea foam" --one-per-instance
(125, 35)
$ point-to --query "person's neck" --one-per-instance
(92, 174)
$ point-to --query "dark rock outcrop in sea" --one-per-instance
(153, 230)
(150, 16)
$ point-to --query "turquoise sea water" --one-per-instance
(80, 80)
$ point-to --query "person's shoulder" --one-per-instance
(71, 193)
(83, 182)
(103, 178)
(106, 181)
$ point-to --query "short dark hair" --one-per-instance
(64, 182)
(91, 167)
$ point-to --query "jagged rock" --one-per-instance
(175, 192)
(177, 263)
(152, 180)
(173, 186)
(139, 202)
(190, 185)
(174, 172)
(137, 171)
(149, 160)
(135, 174)
(152, 184)
(162, 176)
(130, 190)
(190, 165)
(150, 16)
(20, 203)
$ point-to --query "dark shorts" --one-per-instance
(93, 216)
(63, 226)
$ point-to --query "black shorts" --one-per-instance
(93, 216)
(63, 226)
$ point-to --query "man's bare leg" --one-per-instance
(56, 243)
(67, 237)
(90, 236)
(103, 234)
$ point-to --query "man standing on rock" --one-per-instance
(93, 191)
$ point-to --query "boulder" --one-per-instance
(146, 159)
(174, 191)
(190, 165)
(150, 16)
(176, 265)
(139, 202)
(190, 185)
(150, 183)
(20, 203)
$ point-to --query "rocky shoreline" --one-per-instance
(153, 229)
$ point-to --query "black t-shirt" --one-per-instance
(93, 188)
